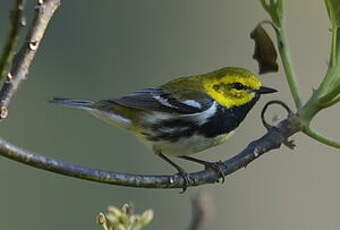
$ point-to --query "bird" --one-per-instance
(183, 116)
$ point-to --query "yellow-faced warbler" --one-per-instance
(184, 116)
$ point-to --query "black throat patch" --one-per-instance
(226, 120)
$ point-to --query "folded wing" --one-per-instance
(187, 101)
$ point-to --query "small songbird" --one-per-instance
(184, 116)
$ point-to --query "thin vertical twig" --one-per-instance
(202, 211)
(23, 60)
(17, 21)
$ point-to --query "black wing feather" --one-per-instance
(157, 99)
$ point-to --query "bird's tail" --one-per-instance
(74, 103)
(113, 116)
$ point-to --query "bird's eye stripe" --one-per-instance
(238, 86)
(235, 85)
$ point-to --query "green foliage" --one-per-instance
(333, 9)
(275, 9)
(328, 93)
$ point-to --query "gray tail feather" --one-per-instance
(76, 103)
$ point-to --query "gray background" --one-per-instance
(100, 49)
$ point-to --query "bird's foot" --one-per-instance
(186, 177)
(217, 167)
(289, 143)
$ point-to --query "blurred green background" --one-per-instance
(103, 49)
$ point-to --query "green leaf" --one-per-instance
(275, 10)
(333, 9)
(265, 53)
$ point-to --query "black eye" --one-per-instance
(238, 86)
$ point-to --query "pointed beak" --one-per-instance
(265, 90)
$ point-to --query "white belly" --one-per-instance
(189, 145)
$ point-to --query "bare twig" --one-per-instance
(23, 60)
(202, 211)
(271, 140)
(17, 21)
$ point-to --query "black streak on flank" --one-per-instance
(224, 121)
(179, 128)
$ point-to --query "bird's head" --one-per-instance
(232, 86)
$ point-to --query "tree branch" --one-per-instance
(275, 11)
(23, 60)
(288, 67)
(327, 94)
(271, 140)
(17, 21)
(333, 102)
(316, 136)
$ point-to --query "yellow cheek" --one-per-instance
(232, 93)
(230, 99)
(245, 98)
(235, 99)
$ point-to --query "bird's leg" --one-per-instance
(216, 166)
(180, 170)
